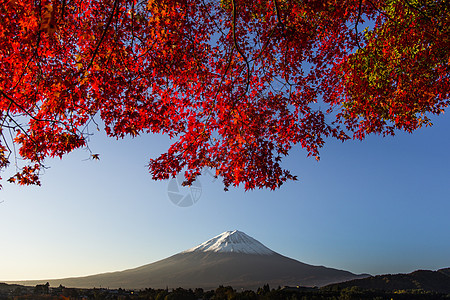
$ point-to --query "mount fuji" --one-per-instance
(231, 258)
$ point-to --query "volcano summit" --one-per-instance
(231, 258)
(232, 242)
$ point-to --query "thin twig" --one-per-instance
(356, 24)
(277, 11)
(237, 47)
(103, 36)
(420, 11)
(33, 117)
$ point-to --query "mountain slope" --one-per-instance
(445, 271)
(433, 281)
(232, 258)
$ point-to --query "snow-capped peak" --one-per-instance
(232, 241)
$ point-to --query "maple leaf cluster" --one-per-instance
(235, 83)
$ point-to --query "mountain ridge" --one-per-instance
(427, 280)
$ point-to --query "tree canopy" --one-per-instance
(235, 83)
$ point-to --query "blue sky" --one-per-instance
(377, 206)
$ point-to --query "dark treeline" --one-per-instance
(221, 293)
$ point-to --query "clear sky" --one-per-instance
(377, 206)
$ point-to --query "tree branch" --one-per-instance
(356, 24)
(237, 47)
(108, 23)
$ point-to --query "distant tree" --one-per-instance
(71, 293)
(199, 293)
(42, 288)
(224, 293)
(161, 294)
(247, 295)
(180, 293)
(264, 290)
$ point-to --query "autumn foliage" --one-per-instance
(235, 83)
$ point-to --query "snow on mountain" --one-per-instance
(232, 241)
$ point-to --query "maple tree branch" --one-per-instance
(419, 10)
(213, 19)
(148, 48)
(21, 108)
(237, 47)
(388, 17)
(63, 8)
(29, 61)
(280, 22)
(356, 24)
(71, 130)
(132, 25)
(6, 143)
(108, 23)
(210, 113)
(14, 149)
(24, 132)
(226, 71)
(7, 114)
(265, 45)
(277, 11)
